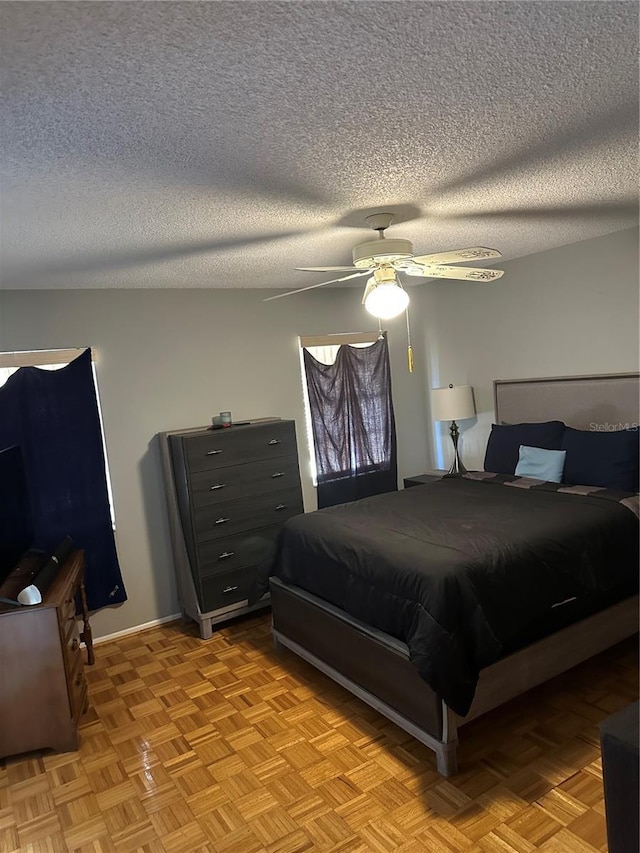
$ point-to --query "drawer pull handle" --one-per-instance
(74, 644)
(226, 554)
(222, 520)
(79, 679)
(280, 507)
(212, 452)
(275, 441)
(217, 486)
(277, 474)
(229, 589)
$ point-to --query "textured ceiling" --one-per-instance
(220, 144)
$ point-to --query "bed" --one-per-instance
(525, 579)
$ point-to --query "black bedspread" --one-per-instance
(457, 568)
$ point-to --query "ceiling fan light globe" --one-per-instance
(386, 301)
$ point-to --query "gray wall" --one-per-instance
(170, 359)
(569, 311)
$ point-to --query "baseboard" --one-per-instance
(153, 624)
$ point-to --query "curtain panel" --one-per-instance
(353, 423)
(53, 416)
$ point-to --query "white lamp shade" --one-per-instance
(385, 300)
(452, 404)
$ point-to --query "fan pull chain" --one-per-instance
(409, 347)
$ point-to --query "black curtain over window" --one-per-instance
(353, 423)
(53, 416)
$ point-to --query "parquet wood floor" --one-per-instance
(226, 746)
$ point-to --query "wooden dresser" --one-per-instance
(43, 690)
(229, 491)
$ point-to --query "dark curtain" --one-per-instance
(353, 423)
(53, 416)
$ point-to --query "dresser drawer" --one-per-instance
(68, 608)
(236, 552)
(238, 481)
(71, 648)
(227, 588)
(224, 447)
(219, 520)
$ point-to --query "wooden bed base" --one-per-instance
(376, 667)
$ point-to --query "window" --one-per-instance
(54, 360)
(55, 418)
(350, 415)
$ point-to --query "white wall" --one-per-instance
(170, 359)
(569, 311)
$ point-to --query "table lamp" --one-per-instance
(454, 403)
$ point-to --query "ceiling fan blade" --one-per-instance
(325, 269)
(322, 284)
(459, 256)
(462, 273)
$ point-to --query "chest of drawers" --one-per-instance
(229, 492)
(43, 687)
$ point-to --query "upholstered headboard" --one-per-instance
(606, 402)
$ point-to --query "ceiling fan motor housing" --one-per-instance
(381, 252)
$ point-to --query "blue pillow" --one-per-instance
(503, 447)
(541, 464)
(608, 459)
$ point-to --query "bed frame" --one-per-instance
(376, 668)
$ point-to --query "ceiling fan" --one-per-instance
(383, 259)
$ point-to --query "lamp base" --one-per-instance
(456, 466)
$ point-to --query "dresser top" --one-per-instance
(235, 427)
